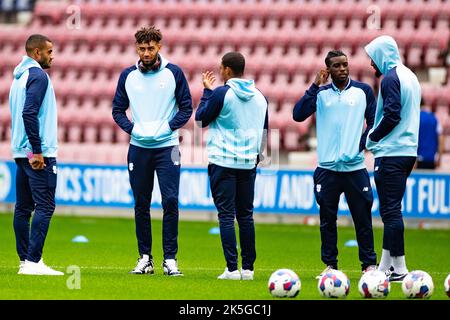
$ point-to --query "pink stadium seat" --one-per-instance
(291, 140)
(121, 136)
(282, 40)
(90, 133)
(106, 132)
(414, 58)
(5, 150)
(432, 57)
(61, 133)
(74, 132)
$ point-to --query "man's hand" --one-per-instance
(37, 162)
(208, 79)
(321, 77)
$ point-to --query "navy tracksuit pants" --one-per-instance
(142, 165)
(233, 191)
(390, 175)
(328, 187)
(35, 191)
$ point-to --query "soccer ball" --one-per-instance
(334, 284)
(418, 284)
(447, 285)
(284, 283)
(374, 284)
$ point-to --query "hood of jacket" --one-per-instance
(244, 89)
(383, 50)
(24, 65)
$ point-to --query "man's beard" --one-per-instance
(153, 66)
(44, 64)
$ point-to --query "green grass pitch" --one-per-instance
(112, 251)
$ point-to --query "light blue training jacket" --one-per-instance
(33, 108)
(160, 103)
(340, 123)
(237, 116)
(397, 116)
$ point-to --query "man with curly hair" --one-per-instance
(158, 94)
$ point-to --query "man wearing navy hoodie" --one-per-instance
(34, 146)
(236, 114)
(158, 94)
(393, 140)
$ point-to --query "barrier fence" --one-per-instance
(277, 191)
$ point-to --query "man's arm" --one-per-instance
(265, 137)
(307, 104)
(121, 104)
(211, 103)
(36, 88)
(183, 98)
(390, 92)
(369, 115)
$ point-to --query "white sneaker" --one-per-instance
(144, 265)
(227, 275)
(21, 264)
(39, 268)
(247, 274)
(170, 268)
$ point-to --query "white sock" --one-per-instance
(399, 264)
(386, 261)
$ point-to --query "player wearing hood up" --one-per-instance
(393, 141)
(237, 116)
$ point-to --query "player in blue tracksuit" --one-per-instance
(34, 146)
(393, 141)
(430, 145)
(158, 94)
(237, 115)
(341, 108)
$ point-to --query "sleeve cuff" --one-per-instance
(37, 149)
(313, 88)
(207, 92)
(373, 137)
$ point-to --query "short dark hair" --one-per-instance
(147, 34)
(36, 41)
(235, 61)
(333, 54)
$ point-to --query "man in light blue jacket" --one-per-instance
(158, 94)
(34, 146)
(393, 142)
(341, 108)
(237, 116)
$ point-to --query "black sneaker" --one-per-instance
(170, 268)
(144, 265)
(369, 268)
(397, 277)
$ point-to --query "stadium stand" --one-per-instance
(284, 42)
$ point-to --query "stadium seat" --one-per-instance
(414, 57)
(284, 43)
(5, 150)
(432, 57)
